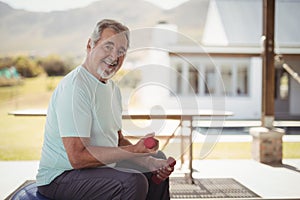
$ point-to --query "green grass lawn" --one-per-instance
(22, 137)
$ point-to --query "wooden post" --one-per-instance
(267, 141)
(268, 75)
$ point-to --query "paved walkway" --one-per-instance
(266, 181)
(14, 173)
(281, 182)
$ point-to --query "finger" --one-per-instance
(152, 151)
(164, 173)
(150, 135)
(170, 169)
(163, 176)
(160, 177)
(157, 145)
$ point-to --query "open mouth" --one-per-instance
(112, 64)
(108, 68)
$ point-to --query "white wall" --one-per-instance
(158, 76)
(249, 107)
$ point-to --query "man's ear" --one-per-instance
(89, 45)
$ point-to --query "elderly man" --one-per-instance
(84, 148)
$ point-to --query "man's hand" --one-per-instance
(161, 168)
(140, 147)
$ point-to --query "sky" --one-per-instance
(54, 5)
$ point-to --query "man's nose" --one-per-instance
(114, 55)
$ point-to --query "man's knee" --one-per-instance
(137, 186)
(160, 155)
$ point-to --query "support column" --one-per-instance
(268, 74)
(267, 141)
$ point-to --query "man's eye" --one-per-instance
(108, 47)
(121, 53)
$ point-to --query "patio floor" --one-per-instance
(229, 179)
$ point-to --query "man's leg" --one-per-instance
(97, 183)
(155, 191)
(158, 191)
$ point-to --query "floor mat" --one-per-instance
(209, 188)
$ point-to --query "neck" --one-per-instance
(85, 65)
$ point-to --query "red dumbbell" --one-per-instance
(150, 142)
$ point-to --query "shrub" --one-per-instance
(27, 67)
(53, 65)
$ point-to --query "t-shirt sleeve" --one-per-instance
(74, 112)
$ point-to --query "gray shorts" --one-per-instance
(106, 183)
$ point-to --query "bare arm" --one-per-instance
(83, 155)
(158, 166)
(144, 161)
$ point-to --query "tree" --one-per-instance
(27, 67)
(53, 65)
(6, 62)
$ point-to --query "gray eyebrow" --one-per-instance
(112, 43)
(109, 42)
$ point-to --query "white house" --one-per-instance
(224, 71)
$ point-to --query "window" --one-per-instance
(204, 79)
(193, 80)
(176, 79)
(242, 80)
(210, 80)
(226, 72)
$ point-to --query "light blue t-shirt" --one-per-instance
(81, 106)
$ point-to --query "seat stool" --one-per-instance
(28, 191)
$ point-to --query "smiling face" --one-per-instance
(106, 57)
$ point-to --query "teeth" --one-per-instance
(112, 64)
